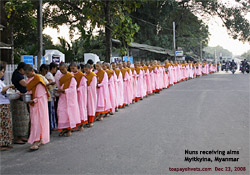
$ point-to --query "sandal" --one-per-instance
(68, 133)
(19, 142)
(100, 119)
(62, 133)
(4, 148)
(81, 128)
(34, 147)
(24, 139)
(90, 125)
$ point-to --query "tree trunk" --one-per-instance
(6, 35)
(39, 33)
(108, 34)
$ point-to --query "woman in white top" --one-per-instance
(5, 117)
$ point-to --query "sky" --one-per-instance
(219, 36)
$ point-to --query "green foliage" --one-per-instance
(219, 50)
(155, 19)
(232, 16)
(142, 21)
(124, 32)
(91, 14)
(246, 55)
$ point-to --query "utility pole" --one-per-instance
(39, 33)
(201, 50)
(174, 41)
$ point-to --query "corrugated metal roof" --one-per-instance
(148, 48)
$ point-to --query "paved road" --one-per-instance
(149, 137)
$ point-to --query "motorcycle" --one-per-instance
(247, 69)
(233, 69)
(242, 68)
(227, 68)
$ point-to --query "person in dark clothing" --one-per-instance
(20, 114)
(18, 78)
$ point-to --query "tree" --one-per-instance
(20, 22)
(246, 55)
(97, 14)
(155, 19)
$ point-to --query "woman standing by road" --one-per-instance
(5, 117)
(20, 114)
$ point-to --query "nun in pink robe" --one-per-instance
(92, 99)
(58, 75)
(131, 82)
(126, 93)
(156, 73)
(116, 91)
(165, 79)
(82, 100)
(148, 82)
(112, 93)
(195, 71)
(175, 74)
(144, 83)
(68, 108)
(171, 76)
(191, 74)
(179, 72)
(120, 90)
(140, 84)
(39, 116)
(134, 76)
(103, 97)
(152, 77)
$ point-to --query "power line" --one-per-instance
(149, 23)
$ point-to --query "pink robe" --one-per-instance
(112, 93)
(116, 90)
(58, 75)
(165, 79)
(140, 84)
(171, 75)
(148, 81)
(152, 83)
(68, 109)
(144, 83)
(82, 100)
(126, 92)
(134, 76)
(175, 74)
(157, 82)
(131, 82)
(120, 90)
(179, 72)
(103, 97)
(191, 74)
(92, 98)
(39, 116)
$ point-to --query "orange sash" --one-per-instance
(78, 77)
(132, 69)
(65, 80)
(137, 69)
(90, 77)
(117, 72)
(110, 73)
(124, 70)
(34, 82)
(100, 75)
